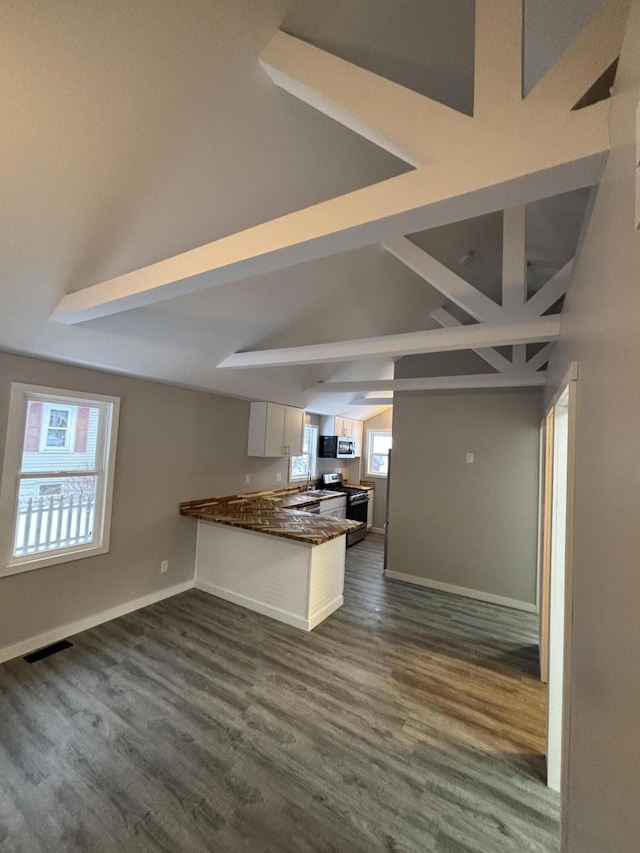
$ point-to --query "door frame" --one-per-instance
(568, 385)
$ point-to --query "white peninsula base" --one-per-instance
(288, 580)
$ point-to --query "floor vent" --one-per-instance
(47, 651)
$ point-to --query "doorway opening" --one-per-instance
(556, 577)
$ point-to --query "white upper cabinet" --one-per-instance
(275, 430)
(330, 425)
(358, 431)
(293, 431)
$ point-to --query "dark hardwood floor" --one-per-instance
(410, 721)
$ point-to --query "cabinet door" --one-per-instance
(274, 440)
(370, 512)
(343, 426)
(358, 429)
(294, 431)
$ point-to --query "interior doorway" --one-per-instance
(556, 582)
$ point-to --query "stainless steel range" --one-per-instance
(357, 502)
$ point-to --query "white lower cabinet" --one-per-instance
(294, 582)
(335, 513)
(334, 507)
(370, 510)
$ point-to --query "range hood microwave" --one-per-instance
(337, 447)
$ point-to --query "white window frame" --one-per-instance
(370, 435)
(21, 395)
(71, 425)
(313, 457)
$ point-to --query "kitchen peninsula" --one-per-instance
(265, 552)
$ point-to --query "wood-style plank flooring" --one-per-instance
(410, 721)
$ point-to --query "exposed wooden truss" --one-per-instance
(433, 383)
(512, 151)
(407, 343)
(516, 311)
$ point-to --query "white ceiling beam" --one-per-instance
(519, 357)
(437, 383)
(512, 152)
(549, 293)
(582, 63)
(488, 354)
(514, 272)
(514, 263)
(424, 198)
(497, 82)
(407, 343)
(540, 358)
(385, 113)
(451, 285)
(370, 401)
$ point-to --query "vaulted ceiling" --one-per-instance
(343, 165)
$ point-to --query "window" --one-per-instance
(55, 499)
(378, 447)
(57, 432)
(300, 467)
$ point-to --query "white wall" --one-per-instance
(601, 331)
(471, 526)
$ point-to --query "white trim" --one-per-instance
(312, 454)
(570, 376)
(64, 631)
(320, 615)
(369, 454)
(266, 609)
(376, 529)
(105, 460)
(463, 591)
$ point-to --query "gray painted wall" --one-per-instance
(173, 445)
(467, 525)
(600, 332)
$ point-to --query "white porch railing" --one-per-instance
(49, 523)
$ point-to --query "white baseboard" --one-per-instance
(376, 530)
(56, 634)
(464, 591)
(327, 610)
(256, 606)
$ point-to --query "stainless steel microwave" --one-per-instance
(337, 447)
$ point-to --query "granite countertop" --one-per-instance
(279, 512)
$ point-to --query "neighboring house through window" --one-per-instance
(301, 467)
(378, 447)
(55, 497)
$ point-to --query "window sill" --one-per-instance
(53, 559)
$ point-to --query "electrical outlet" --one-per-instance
(470, 457)
(278, 478)
(164, 566)
(247, 478)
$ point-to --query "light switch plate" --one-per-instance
(469, 458)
